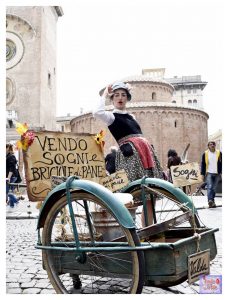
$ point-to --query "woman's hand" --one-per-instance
(109, 87)
(108, 91)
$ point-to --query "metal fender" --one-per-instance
(164, 186)
(106, 196)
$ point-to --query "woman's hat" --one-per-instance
(122, 85)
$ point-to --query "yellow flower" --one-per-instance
(22, 145)
(19, 145)
(99, 138)
(21, 128)
(27, 136)
(25, 145)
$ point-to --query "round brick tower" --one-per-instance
(165, 124)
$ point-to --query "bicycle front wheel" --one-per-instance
(94, 272)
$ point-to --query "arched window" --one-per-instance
(195, 102)
(189, 102)
(11, 124)
(175, 123)
(153, 96)
(11, 117)
(49, 79)
(174, 101)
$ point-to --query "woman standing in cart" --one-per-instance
(135, 155)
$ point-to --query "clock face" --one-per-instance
(14, 49)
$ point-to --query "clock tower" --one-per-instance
(31, 67)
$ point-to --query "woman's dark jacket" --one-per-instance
(11, 163)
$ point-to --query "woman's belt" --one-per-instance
(122, 140)
(143, 148)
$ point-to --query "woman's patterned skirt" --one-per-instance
(133, 165)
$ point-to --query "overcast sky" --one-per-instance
(102, 41)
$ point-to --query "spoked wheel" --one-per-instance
(165, 206)
(90, 272)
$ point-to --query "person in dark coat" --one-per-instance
(11, 174)
(173, 160)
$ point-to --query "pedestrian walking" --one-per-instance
(11, 175)
(135, 154)
(211, 169)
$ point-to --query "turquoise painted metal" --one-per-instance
(165, 262)
(165, 185)
(117, 208)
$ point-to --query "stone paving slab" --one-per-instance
(25, 275)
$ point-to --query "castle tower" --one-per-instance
(165, 123)
(31, 66)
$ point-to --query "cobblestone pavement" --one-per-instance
(24, 273)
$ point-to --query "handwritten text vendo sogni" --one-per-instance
(63, 154)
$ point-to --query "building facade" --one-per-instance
(217, 138)
(188, 90)
(31, 67)
(166, 124)
(63, 123)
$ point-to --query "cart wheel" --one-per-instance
(165, 207)
(97, 272)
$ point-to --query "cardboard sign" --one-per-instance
(61, 154)
(115, 181)
(198, 264)
(187, 174)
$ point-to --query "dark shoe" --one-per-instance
(211, 204)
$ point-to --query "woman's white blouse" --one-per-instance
(106, 116)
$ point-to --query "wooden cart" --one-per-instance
(81, 255)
